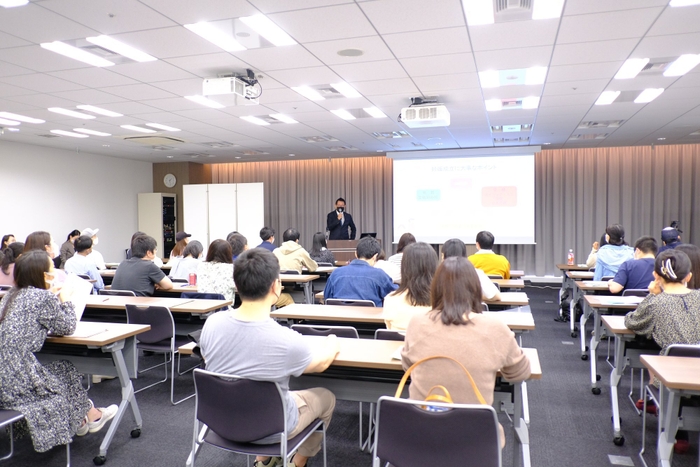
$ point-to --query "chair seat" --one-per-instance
(9, 416)
(164, 345)
(260, 449)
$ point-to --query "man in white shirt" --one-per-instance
(96, 257)
(79, 263)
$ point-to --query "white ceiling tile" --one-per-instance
(151, 72)
(386, 69)
(514, 34)
(93, 77)
(676, 21)
(373, 48)
(582, 7)
(590, 52)
(583, 71)
(89, 96)
(571, 87)
(429, 84)
(7, 69)
(7, 40)
(439, 64)
(509, 59)
(181, 87)
(430, 42)
(606, 26)
(279, 58)
(386, 86)
(323, 24)
(169, 42)
(138, 92)
(569, 99)
(35, 58)
(36, 24)
(172, 104)
(43, 101)
(209, 65)
(187, 11)
(305, 76)
(130, 108)
(274, 96)
(510, 92)
(275, 6)
(665, 46)
(392, 16)
(40, 82)
(7, 90)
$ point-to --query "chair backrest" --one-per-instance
(84, 276)
(495, 276)
(607, 278)
(484, 306)
(349, 302)
(202, 295)
(325, 265)
(498, 286)
(388, 335)
(122, 293)
(340, 331)
(179, 281)
(238, 409)
(681, 350)
(289, 271)
(158, 317)
(635, 292)
(467, 435)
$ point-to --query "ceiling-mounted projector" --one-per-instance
(239, 86)
(424, 114)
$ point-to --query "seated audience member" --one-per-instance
(319, 251)
(636, 273)
(67, 249)
(42, 241)
(670, 237)
(190, 261)
(291, 255)
(215, 274)
(486, 260)
(455, 327)
(95, 256)
(693, 252)
(359, 280)
(405, 240)
(267, 235)
(670, 313)
(238, 243)
(391, 269)
(51, 396)
(80, 264)
(611, 256)
(181, 241)
(456, 247)
(139, 274)
(6, 240)
(8, 256)
(593, 255)
(156, 260)
(418, 266)
(245, 342)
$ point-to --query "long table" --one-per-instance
(103, 349)
(582, 286)
(176, 305)
(507, 299)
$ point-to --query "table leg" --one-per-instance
(309, 292)
(521, 430)
(615, 376)
(595, 340)
(582, 329)
(670, 402)
(575, 297)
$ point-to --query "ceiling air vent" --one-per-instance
(512, 10)
(340, 148)
(318, 139)
(218, 144)
(155, 140)
(391, 134)
(600, 124)
(48, 136)
(588, 136)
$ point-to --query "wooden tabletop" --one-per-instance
(100, 334)
(116, 265)
(360, 314)
(572, 267)
(298, 278)
(509, 283)
(507, 298)
(516, 273)
(108, 272)
(616, 324)
(612, 301)
(320, 270)
(580, 275)
(680, 373)
(176, 305)
(591, 286)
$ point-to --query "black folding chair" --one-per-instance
(349, 302)
(389, 335)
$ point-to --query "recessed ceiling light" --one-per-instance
(292, 155)
(684, 2)
(283, 118)
(121, 48)
(71, 113)
(531, 102)
(105, 145)
(309, 93)
(8, 122)
(13, 3)
(648, 95)
(478, 12)
(269, 30)
(162, 127)
(346, 90)
(631, 68)
(546, 144)
(535, 75)
(493, 105)
(374, 112)
(137, 128)
(660, 139)
(98, 110)
(344, 114)
(21, 118)
(607, 97)
(91, 132)
(238, 157)
(546, 9)
(682, 65)
(13, 129)
(216, 36)
(255, 120)
(204, 101)
(489, 79)
(169, 157)
(350, 53)
(75, 53)
(69, 133)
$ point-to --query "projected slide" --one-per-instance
(439, 199)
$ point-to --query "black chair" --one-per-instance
(653, 393)
(465, 434)
(635, 292)
(340, 331)
(325, 265)
(495, 276)
(160, 339)
(84, 276)
(388, 335)
(484, 306)
(205, 296)
(349, 302)
(290, 271)
(179, 281)
(607, 278)
(116, 292)
(236, 411)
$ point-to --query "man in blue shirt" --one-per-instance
(360, 280)
(267, 235)
(670, 236)
(80, 264)
(638, 272)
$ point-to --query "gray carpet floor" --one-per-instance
(569, 425)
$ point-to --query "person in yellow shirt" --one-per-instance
(486, 260)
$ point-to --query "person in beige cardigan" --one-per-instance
(455, 327)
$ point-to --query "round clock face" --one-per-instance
(169, 180)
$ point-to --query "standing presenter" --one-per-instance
(338, 222)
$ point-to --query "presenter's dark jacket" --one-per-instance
(338, 231)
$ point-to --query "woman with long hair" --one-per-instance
(8, 256)
(68, 248)
(190, 261)
(215, 274)
(611, 256)
(319, 251)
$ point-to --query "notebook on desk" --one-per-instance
(628, 300)
(76, 290)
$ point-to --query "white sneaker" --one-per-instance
(83, 429)
(108, 413)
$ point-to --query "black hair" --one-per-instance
(254, 272)
(74, 232)
(672, 265)
(194, 249)
(405, 240)
(693, 252)
(5, 238)
(266, 233)
(290, 234)
(617, 234)
(10, 254)
(238, 243)
(485, 240)
(82, 243)
(319, 241)
(647, 245)
(141, 245)
(340, 199)
(368, 247)
(29, 272)
(219, 252)
(454, 247)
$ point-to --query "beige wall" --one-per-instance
(186, 173)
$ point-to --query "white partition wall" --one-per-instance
(213, 211)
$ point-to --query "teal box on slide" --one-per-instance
(428, 195)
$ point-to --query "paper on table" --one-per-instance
(397, 355)
(87, 329)
(76, 290)
(629, 300)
